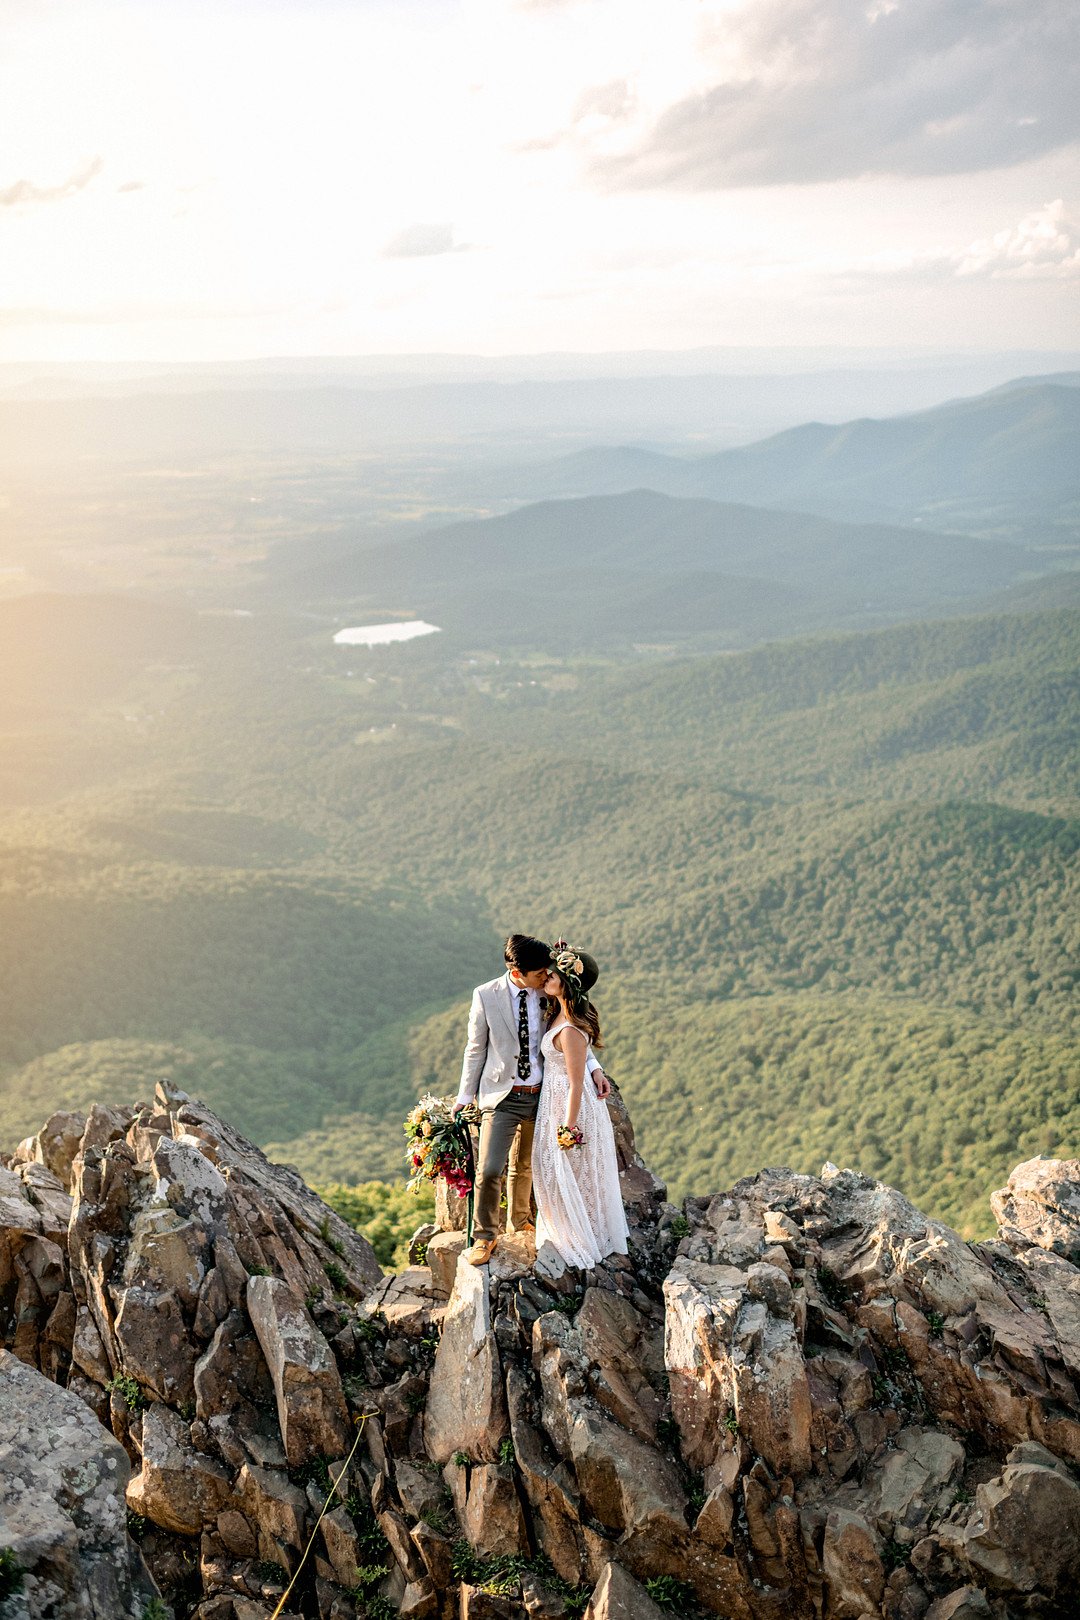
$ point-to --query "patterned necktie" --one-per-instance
(524, 1067)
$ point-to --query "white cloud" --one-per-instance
(1045, 245)
(26, 191)
(421, 241)
(434, 182)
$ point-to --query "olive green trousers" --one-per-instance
(506, 1137)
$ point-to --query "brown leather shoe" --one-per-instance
(481, 1252)
(527, 1230)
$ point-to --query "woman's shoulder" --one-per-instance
(565, 1024)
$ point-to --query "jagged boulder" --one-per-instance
(1040, 1206)
(311, 1407)
(735, 1364)
(1022, 1537)
(619, 1597)
(57, 1143)
(466, 1407)
(492, 1516)
(177, 1487)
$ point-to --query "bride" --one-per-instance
(575, 1173)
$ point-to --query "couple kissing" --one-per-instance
(530, 1066)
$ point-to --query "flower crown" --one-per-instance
(569, 964)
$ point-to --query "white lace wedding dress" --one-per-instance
(579, 1204)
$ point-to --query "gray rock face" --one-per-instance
(62, 1512)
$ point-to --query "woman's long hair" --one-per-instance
(580, 1011)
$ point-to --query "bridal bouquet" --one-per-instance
(570, 1136)
(438, 1146)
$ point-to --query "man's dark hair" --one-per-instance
(526, 954)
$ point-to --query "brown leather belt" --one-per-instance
(530, 1091)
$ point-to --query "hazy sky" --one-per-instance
(180, 179)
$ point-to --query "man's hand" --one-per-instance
(602, 1083)
(456, 1110)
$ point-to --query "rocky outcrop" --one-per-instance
(795, 1400)
(185, 1291)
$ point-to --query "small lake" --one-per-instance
(378, 635)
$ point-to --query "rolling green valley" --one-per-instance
(831, 878)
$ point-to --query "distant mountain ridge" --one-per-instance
(1000, 445)
(1061, 379)
(1012, 451)
(340, 415)
(177, 414)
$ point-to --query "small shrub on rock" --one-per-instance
(11, 1575)
(336, 1275)
(674, 1596)
(133, 1397)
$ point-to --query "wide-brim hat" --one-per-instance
(590, 971)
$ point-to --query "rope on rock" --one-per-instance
(334, 1483)
(465, 1136)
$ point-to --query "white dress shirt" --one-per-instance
(532, 1007)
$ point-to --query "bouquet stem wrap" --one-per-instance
(470, 1161)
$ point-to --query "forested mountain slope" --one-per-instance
(852, 856)
(612, 570)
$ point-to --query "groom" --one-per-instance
(503, 1070)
